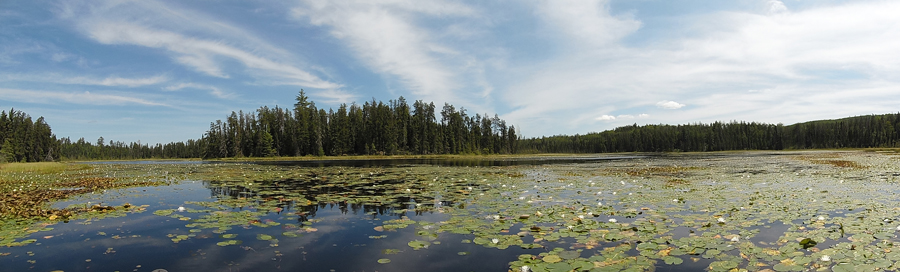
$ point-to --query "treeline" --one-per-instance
(116, 150)
(24, 140)
(373, 128)
(853, 132)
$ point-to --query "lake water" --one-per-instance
(640, 213)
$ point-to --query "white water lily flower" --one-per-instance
(181, 209)
(581, 216)
(613, 220)
(721, 220)
(675, 200)
(825, 258)
(898, 228)
(590, 214)
(736, 238)
(495, 240)
(525, 268)
(599, 203)
(821, 218)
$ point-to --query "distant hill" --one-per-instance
(851, 132)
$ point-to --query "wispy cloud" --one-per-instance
(109, 23)
(112, 81)
(384, 34)
(797, 53)
(588, 22)
(212, 89)
(203, 55)
(85, 98)
(336, 96)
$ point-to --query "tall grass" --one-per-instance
(37, 167)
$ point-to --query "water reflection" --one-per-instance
(474, 162)
(367, 198)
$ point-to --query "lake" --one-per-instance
(753, 211)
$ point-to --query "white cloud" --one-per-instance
(85, 98)
(112, 81)
(335, 96)
(588, 21)
(796, 54)
(669, 105)
(385, 35)
(183, 34)
(212, 89)
(202, 55)
(118, 81)
(606, 118)
(776, 7)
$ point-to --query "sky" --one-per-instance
(161, 71)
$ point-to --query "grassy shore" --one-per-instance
(36, 167)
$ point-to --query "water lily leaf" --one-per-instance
(552, 258)
(416, 245)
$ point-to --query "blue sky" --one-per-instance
(161, 71)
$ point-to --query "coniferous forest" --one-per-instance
(24, 140)
(393, 128)
(854, 132)
(375, 128)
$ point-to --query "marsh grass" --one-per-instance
(38, 167)
(839, 163)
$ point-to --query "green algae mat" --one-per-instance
(741, 211)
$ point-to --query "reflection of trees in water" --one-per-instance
(313, 190)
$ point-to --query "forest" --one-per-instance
(853, 132)
(24, 140)
(396, 128)
(374, 128)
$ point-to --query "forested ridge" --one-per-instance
(853, 132)
(399, 128)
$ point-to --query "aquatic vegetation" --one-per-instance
(719, 213)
